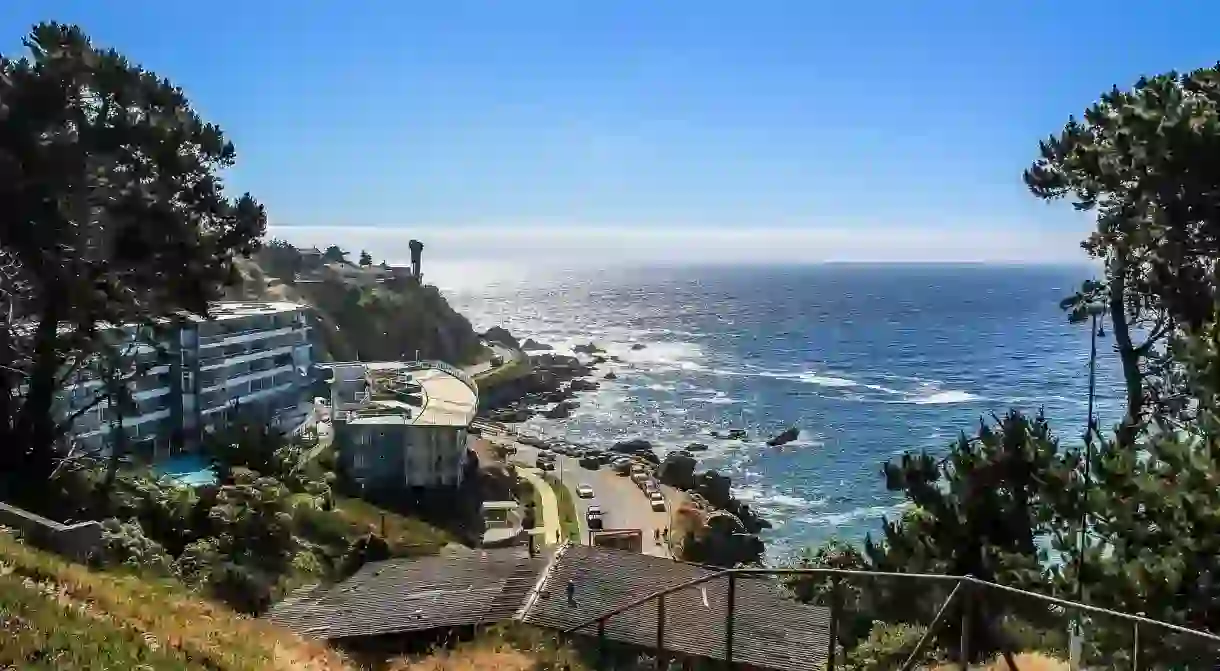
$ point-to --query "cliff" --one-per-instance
(362, 312)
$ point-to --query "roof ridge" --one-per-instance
(543, 578)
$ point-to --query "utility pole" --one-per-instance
(1077, 638)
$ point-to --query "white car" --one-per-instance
(657, 499)
(584, 491)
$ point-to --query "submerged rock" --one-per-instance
(610, 376)
(638, 346)
(696, 447)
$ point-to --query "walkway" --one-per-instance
(548, 526)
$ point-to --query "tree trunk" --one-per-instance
(36, 425)
(1127, 354)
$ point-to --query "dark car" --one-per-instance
(590, 462)
(594, 517)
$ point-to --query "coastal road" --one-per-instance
(623, 505)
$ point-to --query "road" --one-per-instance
(623, 505)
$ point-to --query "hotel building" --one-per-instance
(250, 358)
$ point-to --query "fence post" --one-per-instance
(601, 643)
(728, 621)
(964, 643)
(661, 632)
(834, 622)
(1135, 646)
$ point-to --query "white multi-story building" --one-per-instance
(402, 424)
(252, 359)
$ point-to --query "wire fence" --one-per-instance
(932, 620)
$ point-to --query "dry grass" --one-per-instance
(157, 621)
(471, 659)
(1025, 661)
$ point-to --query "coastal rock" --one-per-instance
(678, 470)
(587, 349)
(499, 334)
(716, 488)
(610, 376)
(696, 447)
(533, 345)
(787, 436)
(580, 384)
(638, 346)
(598, 359)
(561, 410)
(615, 358)
(636, 447)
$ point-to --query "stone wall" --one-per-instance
(76, 541)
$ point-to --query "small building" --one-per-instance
(565, 590)
(401, 424)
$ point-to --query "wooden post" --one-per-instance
(601, 644)
(835, 605)
(661, 632)
(728, 621)
(964, 643)
(1135, 649)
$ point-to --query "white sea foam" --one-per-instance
(945, 397)
(853, 515)
(754, 495)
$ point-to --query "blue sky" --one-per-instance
(791, 130)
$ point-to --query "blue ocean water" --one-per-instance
(867, 360)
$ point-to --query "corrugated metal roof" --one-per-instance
(769, 629)
(403, 595)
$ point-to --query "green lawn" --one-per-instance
(510, 370)
(568, 520)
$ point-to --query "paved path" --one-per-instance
(548, 526)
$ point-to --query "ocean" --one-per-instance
(868, 361)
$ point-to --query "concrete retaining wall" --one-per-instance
(76, 541)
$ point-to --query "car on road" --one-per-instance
(622, 465)
(593, 516)
(639, 478)
(657, 499)
(545, 465)
(584, 491)
(532, 441)
(590, 462)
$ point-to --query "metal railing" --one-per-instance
(963, 597)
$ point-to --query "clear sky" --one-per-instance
(792, 130)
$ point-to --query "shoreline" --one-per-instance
(556, 382)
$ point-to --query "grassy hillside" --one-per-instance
(57, 615)
(364, 313)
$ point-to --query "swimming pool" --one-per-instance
(190, 469)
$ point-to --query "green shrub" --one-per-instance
(124, 544)
(887, 647)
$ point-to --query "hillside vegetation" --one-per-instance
(63, 616)
(363, 312)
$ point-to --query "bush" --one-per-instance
(887, 647)
(124, 544)
(244, 588)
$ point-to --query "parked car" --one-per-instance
(639, 478)
(637, 468)
(593, 517)
(590, 462)
(622, 466)
(584, 491)
(657, 499)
